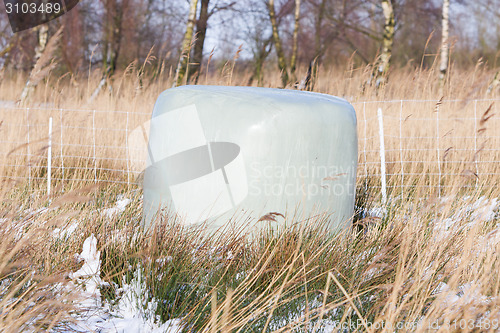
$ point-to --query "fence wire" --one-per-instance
(436, 144)
(440, 144)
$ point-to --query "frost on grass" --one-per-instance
(132, 313)
(483, 209)
(466, 298)
(65, 232)
(119, 208)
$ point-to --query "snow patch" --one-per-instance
(132, 312)
(379, 212)
(88, 276)
(64, 233)
(481, 210)
(464, 297)
(118, 209)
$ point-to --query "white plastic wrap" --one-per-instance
(217, 151)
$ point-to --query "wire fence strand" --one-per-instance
(426, 142)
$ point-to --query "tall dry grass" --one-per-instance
(447, 138)
(412, 267)
(429, 262)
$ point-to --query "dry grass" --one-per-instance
(411, 267)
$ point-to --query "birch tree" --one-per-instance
(278, 44)
(113, 33)
(5, 35)
(384, 60)
(186, 44)
(43, 37)
(7, 48)
(201, 32)
(310, 79)
(295, 41)
(443, 66)
(260, 40)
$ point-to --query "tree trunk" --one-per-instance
(278, 46)
(143, 33)
(312, 72)
(201, 32)
(383, 63)
(43, 37)
(115, 13)
(443, 67)
(3, 53)
(8, 48)
(295, 41)
(260, 57)
(186, 44)
(112, 45)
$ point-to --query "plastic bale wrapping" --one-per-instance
(216, 152)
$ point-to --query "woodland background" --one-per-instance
(295, 37)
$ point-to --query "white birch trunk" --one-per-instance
(385, 56)
(277, 44)
(295, 42)
(445, 47)
(43, 36)
(188, 36)
(382, 64)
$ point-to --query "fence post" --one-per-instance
(401, 147)
(93, 145)
(28, 146)
(476, 155)
(126, 151)
(382, 156)
(437, 149)
(49, 159)
(364, 147)
(61, 151)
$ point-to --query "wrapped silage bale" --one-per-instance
(214, 152)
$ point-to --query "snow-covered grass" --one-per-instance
(131, 313)
(86, 265)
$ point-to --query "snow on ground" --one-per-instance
(132, 313)
(467, 296)
(463, 213)
(64, 232)
(483, 209)
(129, 314)
(89, 273)
(471, 212)
(379, 212)
(119, 208)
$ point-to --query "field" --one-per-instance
(425, 259)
